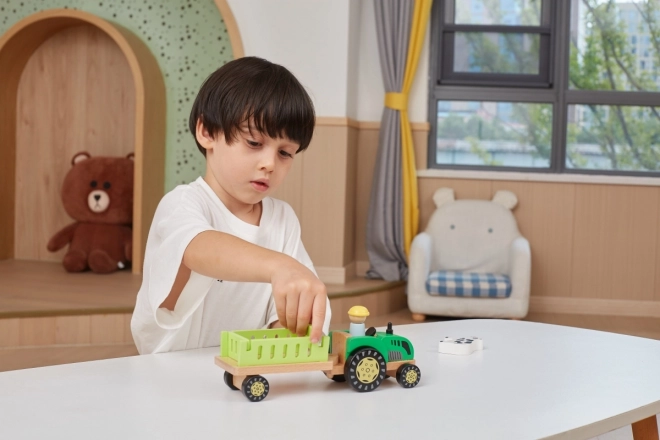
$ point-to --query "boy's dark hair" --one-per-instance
(253, 90)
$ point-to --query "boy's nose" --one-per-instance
(267, 162)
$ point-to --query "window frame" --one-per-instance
(558, 94)
(445, 50)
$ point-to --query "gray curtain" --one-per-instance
(385, 245)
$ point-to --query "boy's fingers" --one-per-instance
(291, 311)
(305, 304)
(318, 318)
(280, 307)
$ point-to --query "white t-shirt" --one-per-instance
(206, 305)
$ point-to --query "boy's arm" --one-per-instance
(300, 297)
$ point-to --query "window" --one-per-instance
(546, 86)
(503, 42)
(493, 133)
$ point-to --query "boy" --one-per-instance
(215, 244)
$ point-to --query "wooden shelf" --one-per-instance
(37, 289)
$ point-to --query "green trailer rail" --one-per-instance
(271, 347)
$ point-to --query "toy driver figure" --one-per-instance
(357, 315)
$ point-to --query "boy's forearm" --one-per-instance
(226, 257)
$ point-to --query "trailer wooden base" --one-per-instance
(232, 367)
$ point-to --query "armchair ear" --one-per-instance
(442, 196)
(506, 199)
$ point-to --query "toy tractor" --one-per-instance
(362, 358)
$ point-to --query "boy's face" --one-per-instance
(247, 170)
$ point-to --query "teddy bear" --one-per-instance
(98, 194)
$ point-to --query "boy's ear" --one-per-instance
(203, 136)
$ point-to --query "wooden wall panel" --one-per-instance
(551, 237)
(9, 332)
(323, 195)
(108, 329)
(66, 330)
(76, 93)
(73, 329)
(37, 331)
(615, 238)
(420, 142)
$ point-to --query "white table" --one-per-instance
(530, 381)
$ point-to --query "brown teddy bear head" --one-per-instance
(99, 189)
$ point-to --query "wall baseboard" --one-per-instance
(336, 275)
(585, 306)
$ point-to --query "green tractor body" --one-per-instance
(392, 347)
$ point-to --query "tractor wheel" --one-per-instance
(255, 388)
(408, 375)
(365, 369)
(229, 380)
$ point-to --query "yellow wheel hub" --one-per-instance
(367, 370)
(257, 389)
(411, 376)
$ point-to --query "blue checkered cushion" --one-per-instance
(466, 284)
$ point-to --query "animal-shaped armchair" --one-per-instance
(471, 261)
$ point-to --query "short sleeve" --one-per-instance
(176, 230)
(179, 218)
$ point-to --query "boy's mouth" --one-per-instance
(259, 185)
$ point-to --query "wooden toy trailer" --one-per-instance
(363, 361)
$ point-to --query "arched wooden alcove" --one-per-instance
(16, 48)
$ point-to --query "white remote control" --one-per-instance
(460, 346)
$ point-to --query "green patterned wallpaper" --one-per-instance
(189, 40)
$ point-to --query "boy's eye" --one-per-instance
(285, 153)
(253, 143)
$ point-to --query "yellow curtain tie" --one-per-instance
(396, 101)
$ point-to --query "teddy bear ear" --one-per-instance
(130, 156)
(79, 157)
(442, 196)
(506, 199)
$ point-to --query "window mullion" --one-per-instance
(560, 110)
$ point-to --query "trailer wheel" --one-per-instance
(255, 388)
(408, 375)
(339, 378)
(365, 370)
(229, 380)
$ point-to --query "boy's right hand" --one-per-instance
(300, 298)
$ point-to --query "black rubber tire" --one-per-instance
(365, 369)
(229, 380)
(339, 378)
(255, 388)
(408, 375)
